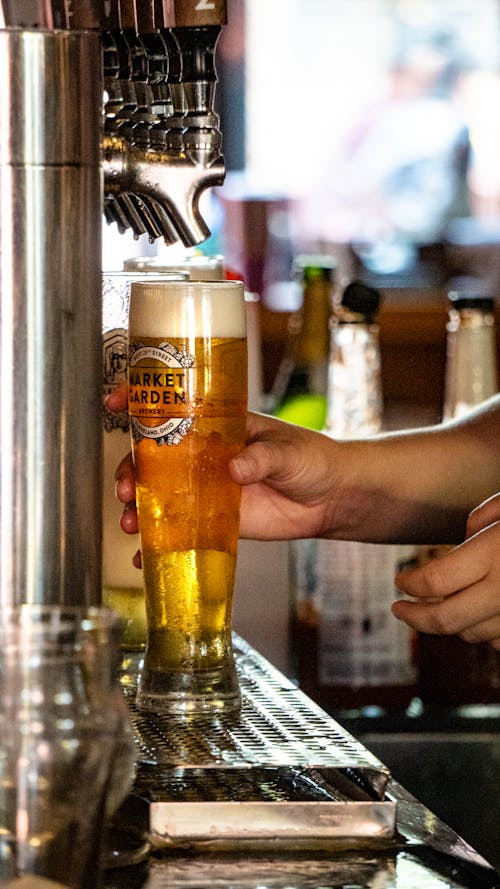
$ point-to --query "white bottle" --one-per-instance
(471, 355)
(349, 650)
(454, 673)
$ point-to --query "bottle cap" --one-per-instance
(361, 299)
(311, 267)
(469, 293)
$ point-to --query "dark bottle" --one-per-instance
(299, 390)
(452, 672)
(349, 652)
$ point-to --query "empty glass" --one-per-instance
(66, 747)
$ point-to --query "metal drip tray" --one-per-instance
(279, 771)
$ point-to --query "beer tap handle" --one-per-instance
(127, 13)
(112, 16)
(144, 16)
(196, 31)
(130, 34)
(174, 75)
(197, 51)
(60, 15)
(198, 13)
(26, 14)
(86, 14)
(201, 137)
(149, 19)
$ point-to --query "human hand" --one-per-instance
(483, 515)
(286, 473)
(116, 402)
(459, 592)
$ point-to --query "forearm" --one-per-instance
(417, 486)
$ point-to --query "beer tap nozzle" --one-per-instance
(171, 177)
(174, 181)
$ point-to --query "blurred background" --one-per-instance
(370, 132)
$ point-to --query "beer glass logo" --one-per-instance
(157, 382)
(114, 373)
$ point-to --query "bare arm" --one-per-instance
(414, 486)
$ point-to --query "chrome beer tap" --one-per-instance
(106, 105)
(167, 170)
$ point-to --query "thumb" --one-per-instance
(257, 461)
(117, 400)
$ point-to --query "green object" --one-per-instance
(304, 410)
(300, 387)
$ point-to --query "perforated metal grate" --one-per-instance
(235, 785)
(277, 726)
(279, 769)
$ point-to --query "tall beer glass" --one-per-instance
(187, 404)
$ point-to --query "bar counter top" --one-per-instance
(410, 869)
(279, 797)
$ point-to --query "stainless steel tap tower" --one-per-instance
(104, 106)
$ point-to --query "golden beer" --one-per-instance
(187, 404)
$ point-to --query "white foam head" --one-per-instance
(187, 309)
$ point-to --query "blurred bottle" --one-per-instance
(122, 582)
(453, 672)
(349, 651)
(254, 342)
(471, 355)
(299, 389)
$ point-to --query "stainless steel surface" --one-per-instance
(420, 825)
(43, 125)
(271, 873)
(207, 807)
(254, 825)
(26, 14)
(281, 770)
(50, 309)
(372, 870)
